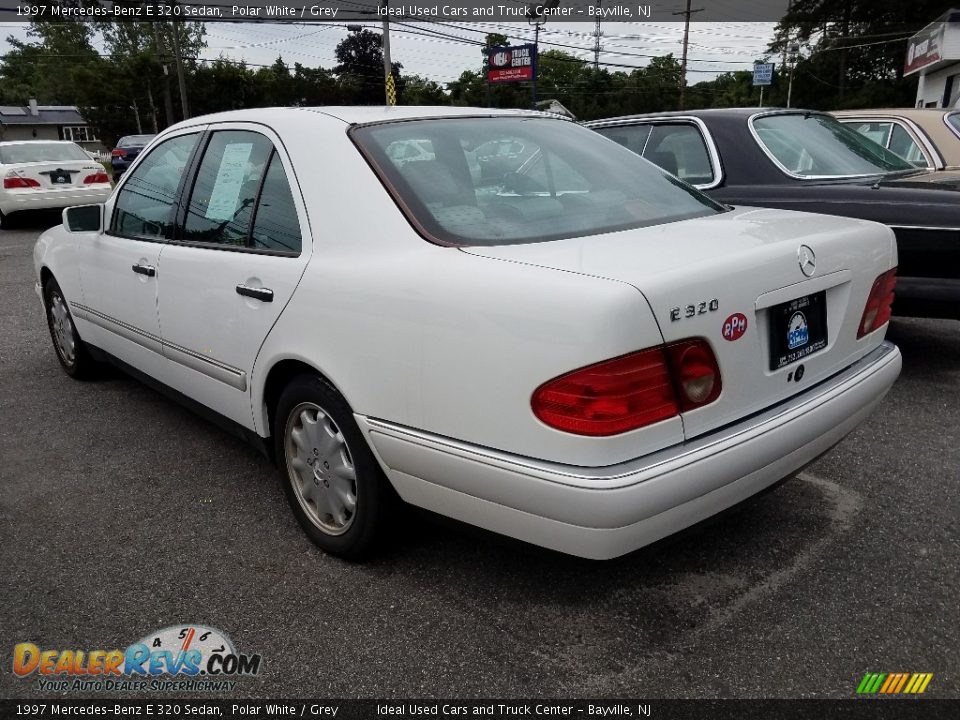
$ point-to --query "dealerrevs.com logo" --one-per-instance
(191, 658)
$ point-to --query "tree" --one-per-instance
(360, 68)
(854, 51)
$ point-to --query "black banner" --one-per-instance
(854, 709)
(395, 10)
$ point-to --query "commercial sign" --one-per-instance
(763, 74)
(924, 48)
(511, 64)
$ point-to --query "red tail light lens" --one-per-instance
(12, 180)
(632, 391)
(610, 397)
(696, 373)
(879, 303)
(100, 177)
(118, 152)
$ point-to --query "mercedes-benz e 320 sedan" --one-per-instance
(577, 350)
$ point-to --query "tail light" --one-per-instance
(877, 311)
(695, 372)
(100, 177)
(118, 152)
(12, 180)
(630, 392)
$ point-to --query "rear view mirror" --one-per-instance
(83, 218)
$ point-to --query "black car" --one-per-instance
(801, 160)
(128, 147)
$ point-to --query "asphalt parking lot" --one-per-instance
(122, 513)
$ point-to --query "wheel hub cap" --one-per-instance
(321, 469)
(62, 326)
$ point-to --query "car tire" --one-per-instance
(334, 485)
(116, 178)
(71, 351)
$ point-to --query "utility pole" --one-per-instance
(181, 80)
(596, 41)
(794, 52)
(686, 39)
(388, 82)
(160, 53)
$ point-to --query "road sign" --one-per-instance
(763, 74)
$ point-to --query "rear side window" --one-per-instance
(678, 148)
(681, 150)
(906, 147)
(241, 197)
(632, 137)
(276, 226)
(144, 207)
(225, 190)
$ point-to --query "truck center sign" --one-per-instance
(511, 64)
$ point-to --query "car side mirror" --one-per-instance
(83, 218)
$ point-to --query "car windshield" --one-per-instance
(510, 180)
(135, 140)
(29, 152)
(814, 145)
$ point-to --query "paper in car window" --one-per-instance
(230, 177)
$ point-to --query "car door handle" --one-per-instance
(257, 293)
(148, 270)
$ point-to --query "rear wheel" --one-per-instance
(71, 350)
(334, 485)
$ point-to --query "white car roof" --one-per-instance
(358, 114)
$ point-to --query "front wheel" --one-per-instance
(334, 485)
(71, 350)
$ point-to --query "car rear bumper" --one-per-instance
(605, 512)
(32, 199)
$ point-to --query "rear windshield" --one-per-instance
(135, 140)
(510, 180)
(813, 145)
(40, 152)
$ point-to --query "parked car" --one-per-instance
(802, 160)
(925, 137)
(126, 151)
(42, 174)
(589, 363)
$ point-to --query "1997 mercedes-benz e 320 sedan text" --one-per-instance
(568, 346)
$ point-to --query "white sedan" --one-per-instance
(568, 346)
(44, 174)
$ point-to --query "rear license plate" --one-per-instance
(797, 328)
(60, 178)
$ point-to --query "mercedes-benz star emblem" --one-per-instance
(808, 260)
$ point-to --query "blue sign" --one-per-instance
(763, 74)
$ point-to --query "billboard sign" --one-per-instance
(763, 74)
(924, 48)
(511, 64)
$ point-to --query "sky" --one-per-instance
(441, 51)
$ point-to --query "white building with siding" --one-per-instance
(933, 55)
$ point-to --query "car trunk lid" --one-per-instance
(736, 280)
(55, 174)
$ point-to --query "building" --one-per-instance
(47, 122)
(933, 55)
